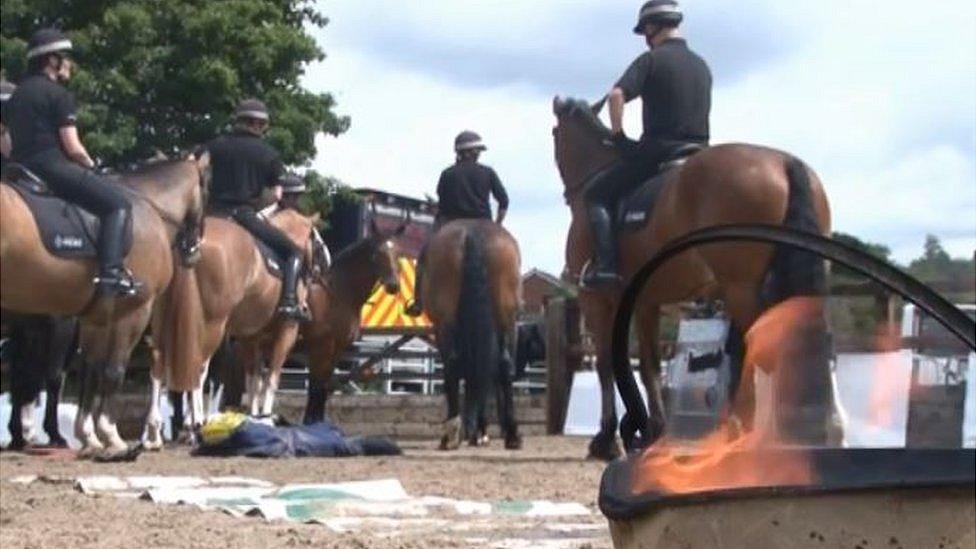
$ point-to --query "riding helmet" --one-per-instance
(252, 108)
(292, 184)
(6, 90)
(468, 140)
(664, 13)
(46, 41)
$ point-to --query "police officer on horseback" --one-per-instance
(293, 188)
(675, 86)
(41, 116)
(463, 192)
(246, 169)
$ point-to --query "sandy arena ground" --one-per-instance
(43, 515)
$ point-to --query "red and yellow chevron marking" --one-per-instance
(383, 310)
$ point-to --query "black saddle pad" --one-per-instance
(634, 209)
(67, 230)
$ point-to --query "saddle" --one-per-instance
(634, 209)
(67, 230)
(272, 262)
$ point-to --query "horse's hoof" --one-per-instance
(153, 445)
(604, 449)
(484, 440)
(16, 445)
(448, 444)
(57, 442)
(451, 440)
(513, 442)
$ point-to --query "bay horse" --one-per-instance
(228, 293)
(167, 204)
(42, 349)
(336, 299)
(722, 184)
(473, 284)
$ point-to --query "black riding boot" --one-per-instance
(289, 307)
(416, 307)
(113, 278)
(603, 270)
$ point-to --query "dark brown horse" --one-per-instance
(336, 300)
(167, 201)
(724, 184)
(473, 290)
(42, 348)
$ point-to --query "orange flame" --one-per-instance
(732, 457)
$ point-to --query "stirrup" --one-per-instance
(117, 282)
(596, 278)
(293, 311)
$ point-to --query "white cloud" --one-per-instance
(881, 101)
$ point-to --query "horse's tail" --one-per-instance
(792, 271)
(476, 335)
(179, 345)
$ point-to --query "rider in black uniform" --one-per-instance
(463, 193)
(244, 167)
(41, 116)
(675, 87)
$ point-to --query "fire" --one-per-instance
(742, 452)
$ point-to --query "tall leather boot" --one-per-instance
(416, 307)
(603, 271)
(113, 279)
(289, 307)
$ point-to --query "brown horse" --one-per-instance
(724, 184)
(229, 292)
(474, 291)
(336, 299)
(167, 201)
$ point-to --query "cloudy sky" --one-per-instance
(878, 97)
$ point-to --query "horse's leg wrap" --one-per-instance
(153, 435)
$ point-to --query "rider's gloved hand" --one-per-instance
(624, 144)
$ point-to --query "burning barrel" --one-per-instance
(795, 498)
(769, 476)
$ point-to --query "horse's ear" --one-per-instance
(598, 106)
(201, 157)
(402, 227)
(558, 105)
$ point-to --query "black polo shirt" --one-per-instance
(35, 113)
(675, 86)
(464, 188)
(243, 166)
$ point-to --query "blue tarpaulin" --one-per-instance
(322, 439)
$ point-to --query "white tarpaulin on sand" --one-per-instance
(382, 507)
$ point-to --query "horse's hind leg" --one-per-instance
(153, 435)
(505, 400)
(84, 421)
(451, 438)
(64, 345)
(650, 369)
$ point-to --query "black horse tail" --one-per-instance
(476, 335)
(792, 271)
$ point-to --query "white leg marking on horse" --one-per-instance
(270, 386)
(108, 432)
(85, 432)
(27, 422)
(153, 436)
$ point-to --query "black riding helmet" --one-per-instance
(45, 41)
(663, 13)
(468, 140)
(292, 184)
(254, 109)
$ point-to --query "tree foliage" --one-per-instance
(166, 74)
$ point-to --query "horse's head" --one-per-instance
(581, 142)
(384, 257)
(298, 227)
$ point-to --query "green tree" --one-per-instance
(323, 193)
(878, 250)
(166, 74)
(955, 277)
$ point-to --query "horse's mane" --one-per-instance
(581, 109)
(354, 250)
